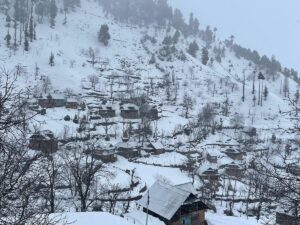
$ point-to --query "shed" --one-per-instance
(175, 205)
(43, 141)
(129, 111)
(127, 149)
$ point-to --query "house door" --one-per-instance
(186, 220)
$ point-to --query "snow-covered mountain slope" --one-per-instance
(200, 107)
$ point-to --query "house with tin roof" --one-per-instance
(174, 205)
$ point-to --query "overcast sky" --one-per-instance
(269, 26)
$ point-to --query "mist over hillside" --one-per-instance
(111, 109)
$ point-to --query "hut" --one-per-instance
(72, 103)
(107, 111)
(210, 175)
(286, 219)
(234, 154)
(128, 149)
(233, 170)
(212, 158)
(155, 148)
(43, 141)
(174, 205)
(130, 111)
(106, 154)
(52, 100)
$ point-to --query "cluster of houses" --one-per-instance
(57, 100)
(46, 142)
(126, 111)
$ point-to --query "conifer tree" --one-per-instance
(193, 48)
(205, 57)
(103, 34)
(51, 60)
(26, 44)
(53, 13)
(8, 39)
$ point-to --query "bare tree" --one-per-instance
(83, 169)
(19, 177)
(188, 104)
(93, 56)
(94, 80)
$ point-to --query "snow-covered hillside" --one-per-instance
(219, 117)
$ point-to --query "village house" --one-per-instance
(234, 154)
(233, 170)
(155, 148)
(43, 141)
(174, 205)
(128, 149)
(210, 175)
(107, 111)
(212, 158)
(72, 103)
(129, 111)
(286, 219)
(107, 154)
(52, 100)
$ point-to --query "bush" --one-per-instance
(67, 118)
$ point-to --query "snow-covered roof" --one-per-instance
(157, 145)
(187, 187)
(165, 199)
(127, 145)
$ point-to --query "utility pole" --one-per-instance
(148, 201)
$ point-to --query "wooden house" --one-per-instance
(72, 103)
(43, 141)
(128, 149)
(174, 205)
(286, 219)
(234, 154)
(129, 111)
(107, 111)
(212, 158)
(233, 170)
(210, 175)
(52, 100)
(155, 148)
(106, 154)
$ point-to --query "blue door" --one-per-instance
(186, 220)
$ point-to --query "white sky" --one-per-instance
(270, 26)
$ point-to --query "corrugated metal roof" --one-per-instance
(165, 199)
(187, 187)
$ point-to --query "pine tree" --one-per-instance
(193, 48)
(205, 57)
(103, 34)
(26, 45)
(53, 13)
(51, 60)
(8, 39)
(31, 27)
(266, 93)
